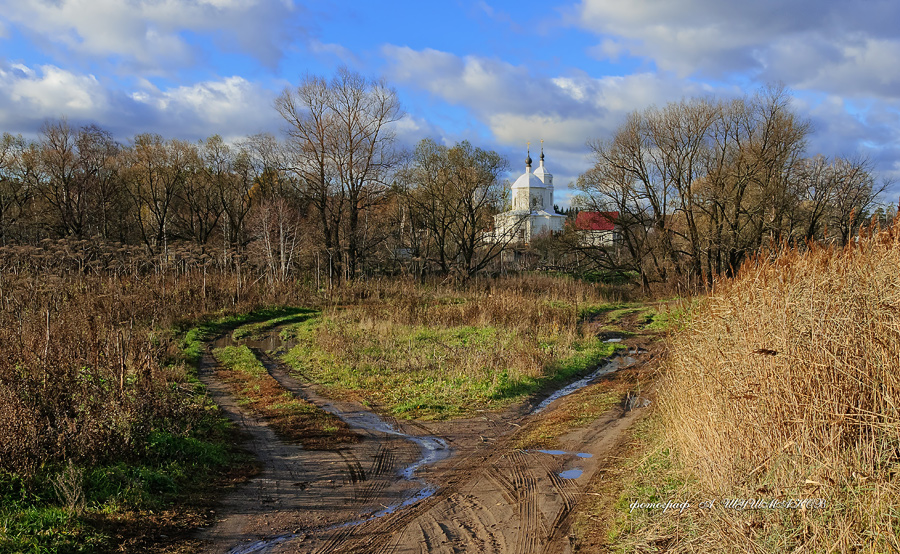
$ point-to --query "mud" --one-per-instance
(614, 364)
(407, 487)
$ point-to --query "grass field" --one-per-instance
(444, 353)
(107, 440)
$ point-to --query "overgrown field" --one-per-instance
(101, 419)
(105, 432)
(435, 352)
(783, 385)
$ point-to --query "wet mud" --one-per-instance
(405, 487)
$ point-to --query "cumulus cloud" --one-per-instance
(232, 107)
(150, 34)
(825, 45)
(567, 110)
(516, 105)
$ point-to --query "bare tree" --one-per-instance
(156, 174)
(62, 188)
(15, 194)
(341, 146)
(698, 184)
(198, 208)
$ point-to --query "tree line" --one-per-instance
(335, 195)
(699, 185)
(702, 184)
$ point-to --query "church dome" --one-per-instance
(528, 180)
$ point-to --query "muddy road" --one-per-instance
(408, 487)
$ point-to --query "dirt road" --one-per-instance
(408, 487)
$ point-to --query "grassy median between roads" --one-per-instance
(292, 418)
(422, 353)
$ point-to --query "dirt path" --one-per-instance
(303, 489)
(487, 497)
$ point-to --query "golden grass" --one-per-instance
(786, 383)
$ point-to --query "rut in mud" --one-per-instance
(398, 490)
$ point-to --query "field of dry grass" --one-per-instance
(101, 414)
(783, 385)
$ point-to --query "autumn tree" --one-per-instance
(699, 184)
(15, 194)
(452, 195)
(156, 171)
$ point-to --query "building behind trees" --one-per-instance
(697, 187)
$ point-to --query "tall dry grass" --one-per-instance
(786, 383)
(87, 366)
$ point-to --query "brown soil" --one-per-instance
(491, 496)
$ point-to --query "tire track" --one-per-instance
(493, 499)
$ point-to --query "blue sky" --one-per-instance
(498, 73)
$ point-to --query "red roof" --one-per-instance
(596, 221)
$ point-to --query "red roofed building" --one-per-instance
(597, 228)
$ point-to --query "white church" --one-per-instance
(532, 210)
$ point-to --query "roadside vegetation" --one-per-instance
(782, 385)
(104, 428)
(108, 438)
(292, 418)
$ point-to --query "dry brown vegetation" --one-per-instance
(86, 368)
(784, 384)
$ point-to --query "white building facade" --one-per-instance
(532, 210)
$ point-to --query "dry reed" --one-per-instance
(786, 384)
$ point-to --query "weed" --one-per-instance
(69, 485)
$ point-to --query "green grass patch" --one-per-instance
(240, 358)
(246, 325)
(61, 508)
(435, 372)
(674, 316)
(258, 329)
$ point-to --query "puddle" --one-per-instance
(564, 453)
(610, 366)
(433, 450)
(571, 473)
(613, 340)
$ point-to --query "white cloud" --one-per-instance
(567, 110)
(512, 101)
(50, 91)
(148, 34)
(231, 107)
(341, 53)
(825, 45)
(517, 106)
